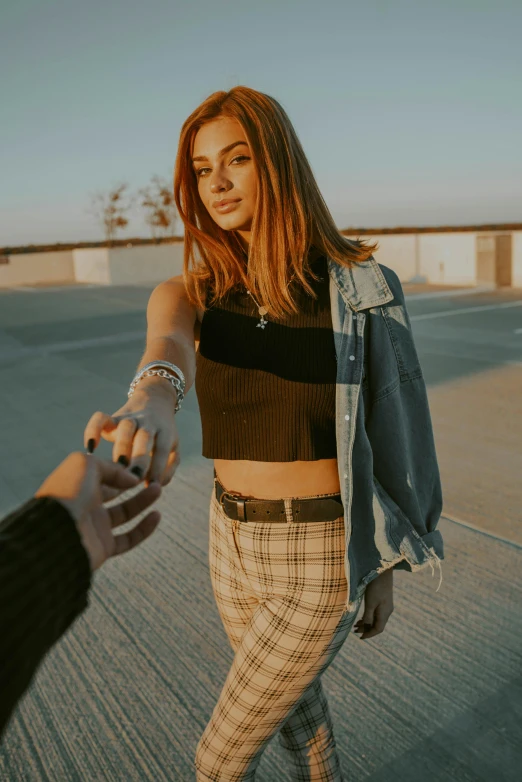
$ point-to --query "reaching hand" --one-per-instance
(82, 483)
(143, 432)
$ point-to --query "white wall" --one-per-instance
(396, 251)
(34, 268)
(129, 265)
(438, 257)
(92, 265)
(448, 258)
(145, 263)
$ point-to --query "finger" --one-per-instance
(129, 540)
(365, 623)
(125, 511)
(99, 424)
(142, 446)
(109, 493)
(162, 449)
(172, 465)
(124, 436)
(379, 623)
(115, 475)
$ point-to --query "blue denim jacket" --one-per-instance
(390, 482)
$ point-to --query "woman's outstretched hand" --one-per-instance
(82, 483)
(144, 434)
(378, 605)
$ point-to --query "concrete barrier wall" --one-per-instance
(438, 257)
(398, 252)
(92, 265)
(37, 268)
(145, 263)
(129, 265)
(517, 258)
(448, 258)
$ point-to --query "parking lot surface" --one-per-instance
(127, 693)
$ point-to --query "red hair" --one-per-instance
(290, 216)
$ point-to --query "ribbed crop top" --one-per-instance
(268, 394)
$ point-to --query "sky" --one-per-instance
(410, 113)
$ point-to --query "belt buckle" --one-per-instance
(234, 497)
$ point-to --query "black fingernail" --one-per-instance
(123, 460)
(90, 445)
(137, 471)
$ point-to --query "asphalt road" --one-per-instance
(127, 693)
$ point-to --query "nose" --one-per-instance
(219, 183)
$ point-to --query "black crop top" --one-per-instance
(268, 394)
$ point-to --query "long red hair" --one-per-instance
(291, 216)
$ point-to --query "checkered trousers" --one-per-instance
(280, 591)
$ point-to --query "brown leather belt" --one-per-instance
(239, 508)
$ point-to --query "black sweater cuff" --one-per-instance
(45, 578)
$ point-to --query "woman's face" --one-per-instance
(225, 172)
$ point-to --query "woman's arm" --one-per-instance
(171, 333)
(143, 430)
(399, 424)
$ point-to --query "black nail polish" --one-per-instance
(137, 471)
(90, 445)
(123, 460)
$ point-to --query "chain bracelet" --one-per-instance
(166, 365)
(176, 382)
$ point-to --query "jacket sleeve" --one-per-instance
(398, 422)
(45, 576)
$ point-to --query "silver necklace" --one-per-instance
(262, 311)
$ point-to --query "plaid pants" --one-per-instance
(280, 591)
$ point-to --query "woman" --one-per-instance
(314, 410)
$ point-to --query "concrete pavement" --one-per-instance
(127, 693)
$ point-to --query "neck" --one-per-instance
(244, 238)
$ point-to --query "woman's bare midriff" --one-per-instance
(272, 480)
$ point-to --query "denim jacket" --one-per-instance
(390, 482)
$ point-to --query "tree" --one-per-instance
(160, 208)
(110, 209)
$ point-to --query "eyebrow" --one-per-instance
(222, 152)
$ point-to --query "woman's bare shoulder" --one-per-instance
(175, 286)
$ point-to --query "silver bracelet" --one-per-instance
(166, 365)
(161, 373)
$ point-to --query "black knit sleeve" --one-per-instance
(45, 577)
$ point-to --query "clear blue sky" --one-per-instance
(410, 112)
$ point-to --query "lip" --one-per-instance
(225, 204)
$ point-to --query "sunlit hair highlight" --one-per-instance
(290, 218)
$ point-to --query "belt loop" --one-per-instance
(288, 510)
(240, 510)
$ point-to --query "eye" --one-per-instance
(238, 157)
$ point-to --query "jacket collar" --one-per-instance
(362, 285)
